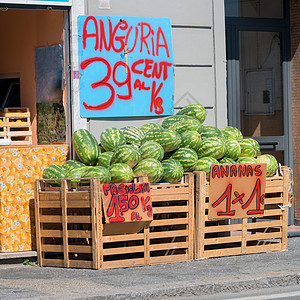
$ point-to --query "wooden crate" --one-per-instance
(16, 125)
(70, 230)
(247, 235)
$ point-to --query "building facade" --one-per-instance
(237, 58)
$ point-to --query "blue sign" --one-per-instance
(125, 66)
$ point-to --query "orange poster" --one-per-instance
(237, 191)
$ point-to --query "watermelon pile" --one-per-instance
(162, 152)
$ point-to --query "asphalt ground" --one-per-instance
(230, 274)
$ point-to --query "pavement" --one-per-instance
(230, 274)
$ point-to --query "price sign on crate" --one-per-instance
(237, 191)
(127, 202)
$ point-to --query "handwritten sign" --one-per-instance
(237, 191)
(125, 66)
(127, 202)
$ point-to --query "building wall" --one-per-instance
(198, 31)
(21, 32)
(295, 83)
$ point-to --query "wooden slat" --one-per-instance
(49, 196)
(123, 263)
(222, 252)
(165, 234)
(72, 233)
(122, 238)
(170, 209)
(264, 236)
(169, 222)
(274, 200)
(83, 264)
(123, 250)
(50, 219)
(18, 133)
(264, 224)
(264, 248)
(274, 189)
(223, 240)
(171, 191)
(79, 196)
(72, 248)
(223, 228)
(52, 263)
(273, 212)
(57, 204)
(168, 259)
(174, 197)
(166, 246)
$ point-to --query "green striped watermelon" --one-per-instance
(112, 138)
(169, 139)
(120, 173)
(133, 135)
(104, 159)
(152, 149)
(200, 128)
(210, 131)
(191, 139)
(150, 167)
(233, 149)
(204, 164)
(212, 147)
(227, 161)
(230, 132)
(76, 173)
(99, 172)
(271, 161)
(173, 170)
(126, 154)
(86, 147)
(249, 147)
(70, 164)
(196, 110)
(166, 123)
(187, 157)
(168, 154)
(54, 172)
(182, 127)
(151, 126)
(246, 160)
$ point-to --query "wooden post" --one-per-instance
(189, 178)
(95, 190)
(65, 222)
(146, 231)
(37, 188)
(100, 232)
(285, 201)
(244, 236)
(200, 213)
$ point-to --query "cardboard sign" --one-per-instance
(127, 202)
(237, 191)
(125, 66)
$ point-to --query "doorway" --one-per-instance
(34, 68)
(258, 72)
